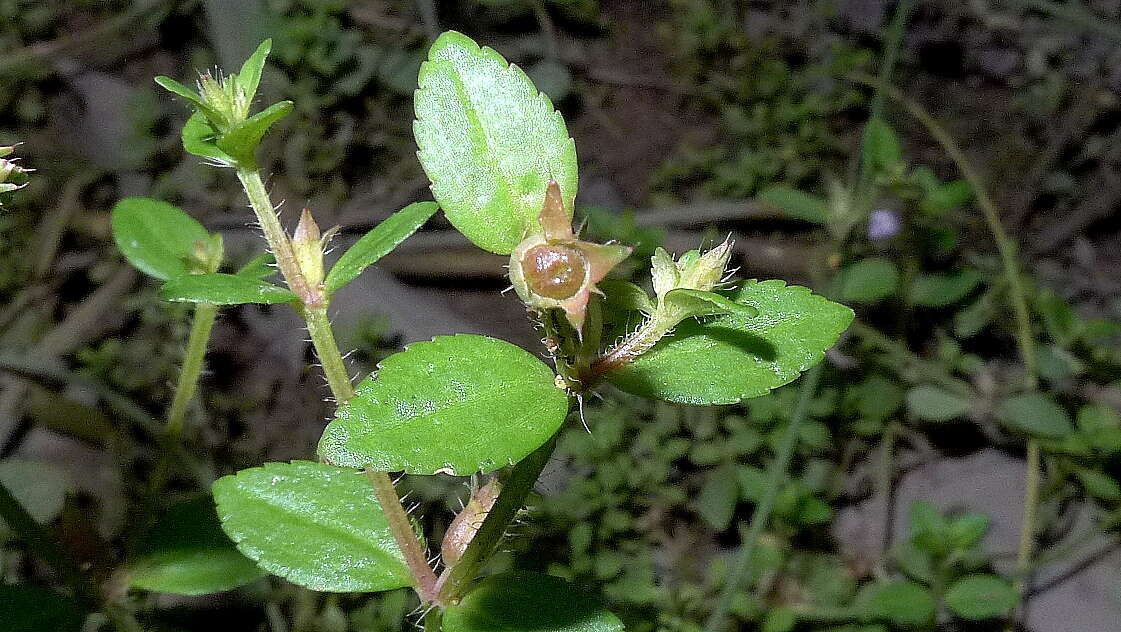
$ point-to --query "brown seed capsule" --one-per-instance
(554, 271)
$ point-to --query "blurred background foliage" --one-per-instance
(693, 119)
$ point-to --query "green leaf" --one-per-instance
(735, 357)
(1102, 427)
(868, 280)
(940, 290)
(977, 597)
(781, 619)
(313, 524)
(259, 267)
(223, 289)
(378, 242)
(490, 143)
(250, 76)
(173, 86)
(457, 404)
(40, 487)
(242, 141)
(1099, 484)
(528, 602)
(198, 139)
(624, 296)
(902, 603)
(716, 501)
(967, 530)
(796, 204)
(1035, 414)
(881, 150)
(947, 197)
(27, 608)
(157, 238)
(698, 303)
(187, 553)
(932, 403)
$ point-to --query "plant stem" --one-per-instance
(314, 312)
(741, 571)
(1025, 340)
(516, 486)
(201, 324)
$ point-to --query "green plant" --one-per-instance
(503, 170)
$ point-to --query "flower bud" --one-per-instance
(693, 270)
(12, 176)
(466, 524)
(308, 244)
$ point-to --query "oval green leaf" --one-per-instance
(490, 142)
(199, 139)
(313, 524)
(932, 403)
(157, 238)
(738, 356)
(528, 602)
(1035, 414)
(457, 404)
(241, 141)
(27, 608)
(223, 289)
(187, 553)
(940, 290)
(40, 487)
(868, 280)
(902, 603)
(977, 597)
(378, 242)
(796, 204)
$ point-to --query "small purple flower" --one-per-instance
(884, 224)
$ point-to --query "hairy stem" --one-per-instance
(201, 324)
(314, 312)
(741, 571)
(630, 348)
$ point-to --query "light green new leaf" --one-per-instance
(378, 242)
(174, 87)
(28, 608)
(157, 238)
(490, 143)
(940, 290)
(250, 76)
(882, 149)
(241, 141)
(903, 603)
(528, 602)
(624, 296)
(1035, 414)
(699, 303)
(187, 553)
(198, 138)
(259, 267)
(223, 289)
(313, 524)
(734, 357)
(976, 597)
(932, 403)
(868, 280)
(457, 404)
(796, 204)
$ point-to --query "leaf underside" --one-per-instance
(528, 602)
(735, 357)
(157, 238)
(223, 289)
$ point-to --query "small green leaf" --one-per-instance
(967, 530)
(781, 619)
(476, 403)
(1099, 484)
(173, 86)
(882, 150)
(28, 608)
(1102, 427)
(940, 290)
(242, 141)
(40, 487)
(695, 303)
(378, 242)
(187, 553)
(1035, 414)
(157, 238)
(868, 280)
(198, 139)
(490, 143)
(944, 198)
(796, 204)
(223, 289)
(624, 296)
(932, 403)
(259, 267)
(735, 357)
(716, 501)
(528, 602)
(250, 76)
(313, 524)
(976, 597)
(902, 603)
